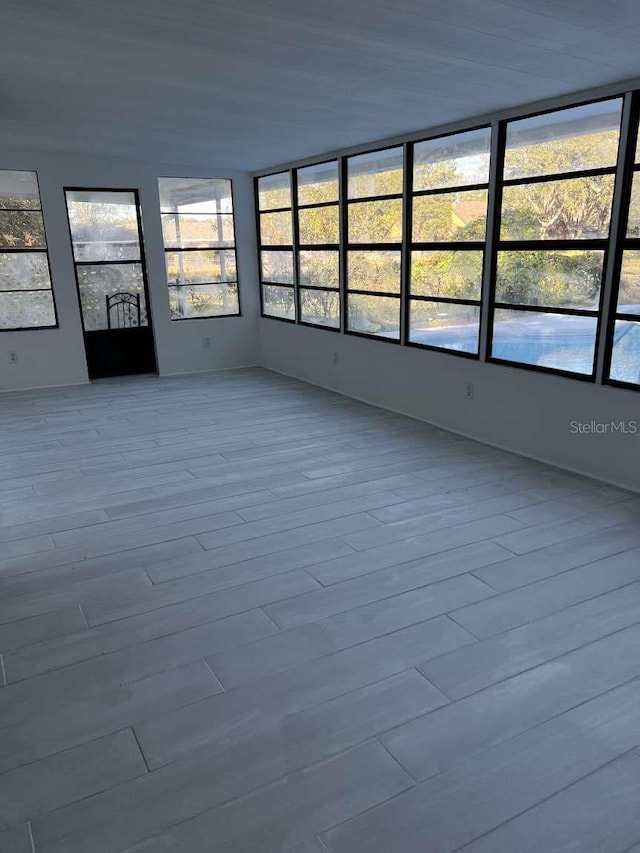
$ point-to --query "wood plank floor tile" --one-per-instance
(600, 812)
(434, 743)
(497, 784)
(278, 816)
(489, 661)
(187, 787)
(241, 612)
(78, 773)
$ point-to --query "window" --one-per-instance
(318, 238)
(557, 192)
(26, 296)
(449, 222)
(624, 353)
(374, 241)
(275, 226)
(199, 244)
(491, 243)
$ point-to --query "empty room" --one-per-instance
(320, 426)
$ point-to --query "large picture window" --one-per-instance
(275, 228)
(516, 243)
(26, 295)
(199, 242)
(449, 222)
(624, 353)
(557, 192)
(317, 244)
(374, 242)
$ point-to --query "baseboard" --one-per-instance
(552, 464)
(28, 388)
(209, 370)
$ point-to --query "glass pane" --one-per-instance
(320, 268)
(277, 267)
(195, 195)
(452, 161)
(274, 191)
(191, 231)
(450, 216)
(24, 271)
(629, 293)
(278, 301)
(319, 225)
(19, 191)
(633, 222)
(568, 279)
(374, 315)
(564, 141)
(195, 267)
(21, 229)
(375, 271)
(548, 340)
(96, 283)
(376, 221)
(558, 210)
(321, 307)
(204, 300)
(457, 275)
(376, 173)
(445, 324)
(625, 359)
(275, 228)
(104, 226)
(318, 183)
(27, 310)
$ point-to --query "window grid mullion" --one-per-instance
(405, 252)
(492, 237)
(343, 208)
(559, 176)
(295, 226)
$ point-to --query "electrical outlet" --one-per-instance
(206, 343)
(13, 357)
(336, 358)
(468, 391)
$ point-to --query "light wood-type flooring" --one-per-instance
(241, 613)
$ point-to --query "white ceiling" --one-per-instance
(248, 84)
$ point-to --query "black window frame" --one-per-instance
(499, 244)
(623, 243)
(611, 246)
(398, 246)
(220, 249)
(32, 251)
(299, 246)
(444, 246)
(268, 247)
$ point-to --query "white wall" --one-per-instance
(519, 410)
(56, 356)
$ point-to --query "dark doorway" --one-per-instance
(111, 276)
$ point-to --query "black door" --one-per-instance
(111, 276)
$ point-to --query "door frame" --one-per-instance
(142, 262)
